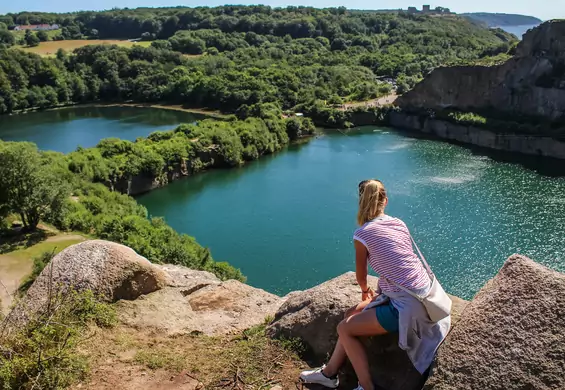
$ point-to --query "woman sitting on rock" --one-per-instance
(385, 243)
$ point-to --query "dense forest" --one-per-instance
(230, 56)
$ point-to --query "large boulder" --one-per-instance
(313, 315)
(111, 270)
(511, 336)
(198, 302)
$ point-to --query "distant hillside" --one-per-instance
(498, 20)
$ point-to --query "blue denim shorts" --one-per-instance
(388, 317)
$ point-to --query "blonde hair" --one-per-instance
(372, 200)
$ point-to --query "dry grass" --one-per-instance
(50, 48)
(249, 360)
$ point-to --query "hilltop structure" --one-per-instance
(426, 9)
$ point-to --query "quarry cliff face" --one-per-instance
(531, 83)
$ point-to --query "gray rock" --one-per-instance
(203, 305)
(180, 276)
(111, 270)
(511, 336)
(313, 316)
(530, 83)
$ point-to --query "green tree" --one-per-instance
(31, 39)
(7, 38)
(42, 36)
(27, 186)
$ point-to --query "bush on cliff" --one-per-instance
(116, 217)
(498, 121)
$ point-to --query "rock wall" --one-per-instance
(531, 83)
(144, 183)
(531, 145)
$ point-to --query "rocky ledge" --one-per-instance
(532, 83)
(517, 143)
(511, 336)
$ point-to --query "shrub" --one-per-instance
(42, 353)
(467, 118)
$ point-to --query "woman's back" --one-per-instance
(391, 254)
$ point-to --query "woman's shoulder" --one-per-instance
(375, 224)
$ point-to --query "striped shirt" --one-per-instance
(391, 254)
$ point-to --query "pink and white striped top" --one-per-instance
(391, 254)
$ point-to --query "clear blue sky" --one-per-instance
(543, 9)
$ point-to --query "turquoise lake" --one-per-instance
(287, 220)
(65, 129)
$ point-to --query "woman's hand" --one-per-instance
(368, 294)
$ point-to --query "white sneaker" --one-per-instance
(358, 388)
(316, 376)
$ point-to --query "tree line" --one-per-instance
(110, 74)
(297, 22)
(359, 56)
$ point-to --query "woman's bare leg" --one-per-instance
(361, 324)
(336, 361)
(338, 356)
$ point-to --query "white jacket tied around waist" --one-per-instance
(417, 334)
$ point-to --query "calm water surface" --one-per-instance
(66, 129)
(519, 30)
(287, 220)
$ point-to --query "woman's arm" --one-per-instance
(361, 269)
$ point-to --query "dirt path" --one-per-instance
(132, 359)
(384, 100)
(65, 237)
(12, 271)
(17, 265)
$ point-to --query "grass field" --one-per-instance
(50, 48)
(16, 258)
(21, 34)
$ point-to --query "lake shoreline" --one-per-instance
(172, 107)
(200, 111)
(521, 144)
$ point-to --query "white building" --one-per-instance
(37, 27)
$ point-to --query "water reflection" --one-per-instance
(65, 129)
